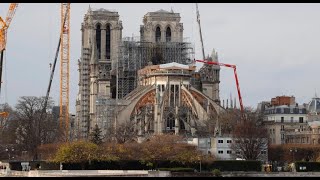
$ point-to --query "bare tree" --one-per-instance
(32, 131)
(125, 132)
(4, 120)
(228, 119)
(250, 139)
(6, 123)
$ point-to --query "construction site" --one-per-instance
(181, 100)
(147, 101)
(148, 83)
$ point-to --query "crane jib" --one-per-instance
(235, 75)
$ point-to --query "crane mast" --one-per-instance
(198, 20)
(52, 72)
(64, 70)
(4, 25)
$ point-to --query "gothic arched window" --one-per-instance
(98, 40)
(108, 42)
(158, 34)
(170, 121)
(168, 34)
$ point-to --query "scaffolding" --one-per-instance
(135, 55)
(105, 113)
(196, 81)
(84, 86)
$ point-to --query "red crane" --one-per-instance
(235, 75)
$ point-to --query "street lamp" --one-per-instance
(199, 163)
(9, 152)
(293, 151)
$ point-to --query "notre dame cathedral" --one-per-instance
(149, 82)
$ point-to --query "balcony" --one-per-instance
(300, 133)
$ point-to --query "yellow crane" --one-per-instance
(64, 47)
(4, 25)
(64, 69)
(64, 56)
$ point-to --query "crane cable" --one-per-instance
(193, 41)
(5, 79)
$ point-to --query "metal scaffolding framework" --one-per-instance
(85, 92)
(105, 113)
(135, 55)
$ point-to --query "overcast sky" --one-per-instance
(276, 47)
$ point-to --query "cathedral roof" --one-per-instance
(162, 11)
(102, 9)
(173, 65)
(95, 11)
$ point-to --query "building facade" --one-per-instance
(220, 147)
(311, 134)
(283, 100)
(280, 120)
(282, 117)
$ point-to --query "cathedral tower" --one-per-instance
(101, 35)
(161, 26)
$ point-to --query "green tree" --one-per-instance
(169, 147)
(95, 136)
(216, 172)
(77, 152)
(48, 151)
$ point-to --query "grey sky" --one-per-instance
(275, 46)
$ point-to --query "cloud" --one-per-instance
(275, 46)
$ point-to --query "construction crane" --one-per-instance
(44, 108)
(64, 69)
(217, 63)
(4, 25)
(64, 21)
(235, 75)
(198, 20)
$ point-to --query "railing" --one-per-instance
(300, 133)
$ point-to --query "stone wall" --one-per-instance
(144, 173)
(271, 174)
(84, 173)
